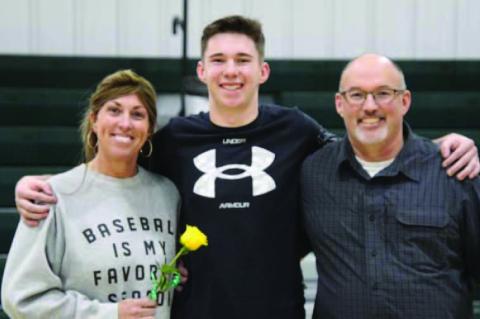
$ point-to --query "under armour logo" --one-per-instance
(261, 182)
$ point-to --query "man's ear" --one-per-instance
(201, 71)
(339, 104)
(406, 101)
(264, 72)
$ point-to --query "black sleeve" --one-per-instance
(143, 161)
(158, 162)
(324, 136)
(304, 176)
(471, 228)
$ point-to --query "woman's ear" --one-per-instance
(93, 120)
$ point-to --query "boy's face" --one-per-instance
(232, 70)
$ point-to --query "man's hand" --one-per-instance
(460, 154)
(136, 308)
(33, 196)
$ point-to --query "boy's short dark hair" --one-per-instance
(236, 24)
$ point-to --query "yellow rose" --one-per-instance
(193, 238)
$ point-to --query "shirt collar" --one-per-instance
(404, 163)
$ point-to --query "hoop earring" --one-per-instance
(149, 141)
(89, 142)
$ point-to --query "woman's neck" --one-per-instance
(118, 169)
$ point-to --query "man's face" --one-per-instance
(232, 70)
(373, 122)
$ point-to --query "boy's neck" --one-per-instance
(233, 117)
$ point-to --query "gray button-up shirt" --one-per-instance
(403, 244)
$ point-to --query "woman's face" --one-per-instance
(121, 127)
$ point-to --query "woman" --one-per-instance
(112, 224)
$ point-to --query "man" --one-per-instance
(237, 169)
(394, 236)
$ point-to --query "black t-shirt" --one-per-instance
(241, 187)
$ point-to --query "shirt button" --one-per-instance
(371, 217)
(374, 253)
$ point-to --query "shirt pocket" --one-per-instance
(436, 217)
(420, 237)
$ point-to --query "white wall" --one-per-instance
(89, 27)
(299, 29)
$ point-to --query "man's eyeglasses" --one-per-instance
(380, 96)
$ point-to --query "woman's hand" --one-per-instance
(136, 308)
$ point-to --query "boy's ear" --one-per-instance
(201, 71)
